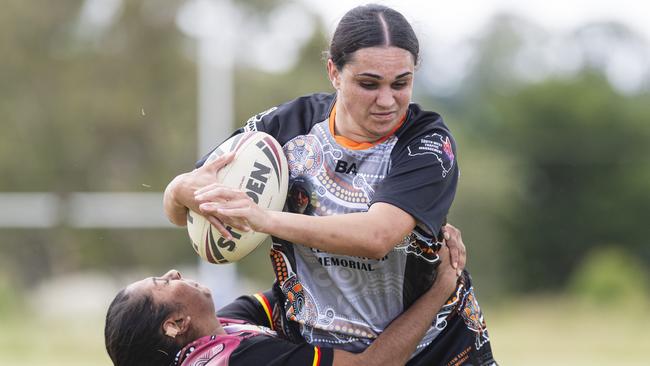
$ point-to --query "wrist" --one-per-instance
(445, 283)
(267, 225)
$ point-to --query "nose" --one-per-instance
(172, 275)
(385, 98)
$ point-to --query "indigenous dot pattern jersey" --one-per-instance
(247, 344)
(341, 301)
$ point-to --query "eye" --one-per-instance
(165, 281)
(368, 85)
(400, 85)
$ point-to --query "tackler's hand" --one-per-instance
(454, 241)
(447, 277)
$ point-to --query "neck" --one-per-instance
(218, 328)
(343, 128)
(213, 328)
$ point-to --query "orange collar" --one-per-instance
(356, 145)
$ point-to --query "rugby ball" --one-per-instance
(260, 169)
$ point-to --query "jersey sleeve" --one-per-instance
(254, 309)
(265, 350)
(287, 120)
(422, 179)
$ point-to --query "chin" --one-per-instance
(379, 133)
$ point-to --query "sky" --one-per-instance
(452, 21)
(445, 28)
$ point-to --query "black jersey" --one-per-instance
(345, 301)
(248, 344)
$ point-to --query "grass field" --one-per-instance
(531, 331)
(556, 331)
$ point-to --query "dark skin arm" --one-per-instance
(399, 340)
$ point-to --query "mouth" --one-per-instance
(384, 116)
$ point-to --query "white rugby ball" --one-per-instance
(260, 169)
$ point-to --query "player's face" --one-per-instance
(374, 91)
(171, 288)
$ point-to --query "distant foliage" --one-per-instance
(570, 151)
(610, 276)
(583, 154)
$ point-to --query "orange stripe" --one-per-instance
(316, 357)
(356, 145)
(267, 307)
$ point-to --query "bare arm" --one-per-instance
(367, 234)
(398, 341)
(371, 234)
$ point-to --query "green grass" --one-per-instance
(30, 341)
(531, 331)
(559, 331)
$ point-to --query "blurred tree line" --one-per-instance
(577, 156)
(552, 169)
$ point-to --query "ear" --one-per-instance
(334, 74)
(176, 324)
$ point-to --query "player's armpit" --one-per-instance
(392, 222)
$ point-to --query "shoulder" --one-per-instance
(313, 107)
(240, 338)
(303, 112)
(253, 309)
(421, 122)
(215, 347)
(422, 129)
(265, 350)
(425, 138)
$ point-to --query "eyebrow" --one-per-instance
(379, 77)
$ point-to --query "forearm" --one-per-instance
(350, 234)
(371, 233)
(398, 341)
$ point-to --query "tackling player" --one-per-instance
(171, 320)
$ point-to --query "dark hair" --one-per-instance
(133, 331)
(370, 26)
